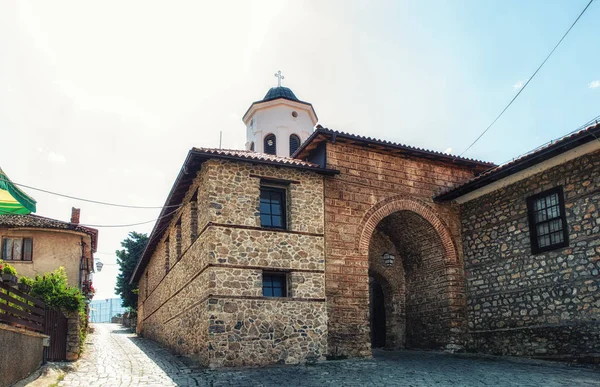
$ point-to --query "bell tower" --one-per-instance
(278, 123)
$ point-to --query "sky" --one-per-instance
(103, 100)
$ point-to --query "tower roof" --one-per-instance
(280, 92)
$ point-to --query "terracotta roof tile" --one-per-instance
(251, 155)
(501, 169)
(390, 144)
(36, 221)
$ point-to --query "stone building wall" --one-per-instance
(547, 304)
(370, 183)
(209, 304)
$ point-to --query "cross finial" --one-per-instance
(279, 77)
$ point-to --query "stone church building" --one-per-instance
(314, 243)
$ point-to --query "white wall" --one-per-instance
(278, 119)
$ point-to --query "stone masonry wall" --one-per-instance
(543, 305)
(215, 284)
(370, 178)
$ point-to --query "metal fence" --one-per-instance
(102, 311)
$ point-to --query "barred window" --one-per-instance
(547, 221)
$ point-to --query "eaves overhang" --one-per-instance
(185, 178)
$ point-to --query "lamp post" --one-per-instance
(388, 259)
(99, 266)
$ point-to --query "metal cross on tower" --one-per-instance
(279, 77)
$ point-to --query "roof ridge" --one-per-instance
(388, 142)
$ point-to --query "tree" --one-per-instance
(127, 258)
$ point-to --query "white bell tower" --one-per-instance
(278, 123)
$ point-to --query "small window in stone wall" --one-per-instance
(178, 239)
(547, 221)
(167, 253)
(272, 207)
(146, 284)
(274, 284)
(194, 216)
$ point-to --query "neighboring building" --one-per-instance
(531, 242)
(36, 245)
(349, 245)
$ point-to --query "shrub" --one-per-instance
(53, 288)
(8, 269)
(26, 280)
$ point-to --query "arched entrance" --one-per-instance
(421, 290)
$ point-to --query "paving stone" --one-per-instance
(114, 357)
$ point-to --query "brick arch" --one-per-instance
(400, 203)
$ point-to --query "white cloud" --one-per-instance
(594, 84)
(519, 84)
(56, 158)
(448, 151)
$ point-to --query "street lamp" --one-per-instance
(99, 266)
(388, 259)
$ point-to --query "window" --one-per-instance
(252, 146)
(272, 207)
(270, 144)
(167, 256)
(294, 143)
(547, 221)
(146, 284)
(274, 285)
(17, 249)
(178, 239)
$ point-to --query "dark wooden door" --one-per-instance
(56, 328)
(377, 316)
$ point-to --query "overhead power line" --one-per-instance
(529, 80)
(89, 200)
(112, 225)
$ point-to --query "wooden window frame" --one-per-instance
(24, 241)
(283, 192)
(284, 281)
(533, 234)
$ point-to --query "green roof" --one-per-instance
(12, 199)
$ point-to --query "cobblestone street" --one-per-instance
(114, 357)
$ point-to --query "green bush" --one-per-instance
(26, 280)
(53, 288)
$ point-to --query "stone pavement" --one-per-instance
(115, 357)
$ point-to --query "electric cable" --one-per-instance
(85, 200)
(529, 80)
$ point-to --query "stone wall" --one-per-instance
(196, 303)
(372, 185)
(543, 305)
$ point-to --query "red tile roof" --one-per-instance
(415, 151)
(251, 155)
(541, 153)
(36, 221)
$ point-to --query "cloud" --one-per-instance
(56, 158)
(519, 84)
(594, 84)
(448, 151)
